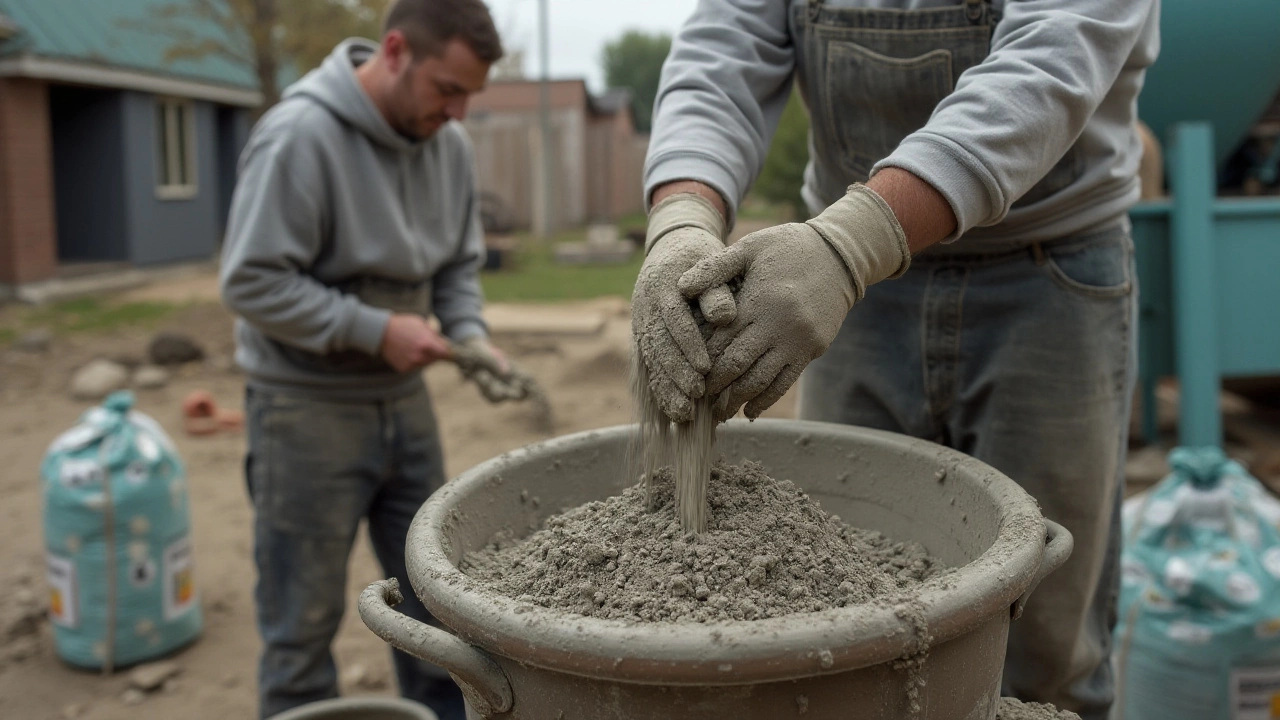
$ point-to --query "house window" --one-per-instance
(175, 149)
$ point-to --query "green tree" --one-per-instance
(783, 172)
(634, 61)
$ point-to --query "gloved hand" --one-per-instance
(683, 229)
(486, 366)
(799, 280)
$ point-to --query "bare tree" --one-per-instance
(264, 36)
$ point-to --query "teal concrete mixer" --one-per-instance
(1206, 265)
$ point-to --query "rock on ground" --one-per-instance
(98, 379)
(153, 675)
(34, 341)
(170, 348)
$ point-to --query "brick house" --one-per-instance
(109, 153)
(597, 157)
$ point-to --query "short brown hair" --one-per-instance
(429, 24)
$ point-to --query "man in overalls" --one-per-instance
(998, 148)
(355, 218)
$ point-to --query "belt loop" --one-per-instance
(814, 7)
(973, 9)
(1037, 253)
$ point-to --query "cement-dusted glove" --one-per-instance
(482, 364)
(683, 229)
(799, 280)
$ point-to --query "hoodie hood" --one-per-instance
(335, 86)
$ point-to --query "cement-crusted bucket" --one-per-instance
(518, 661)
(359, 708)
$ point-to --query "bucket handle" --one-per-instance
(1058, 546)
(483, 683)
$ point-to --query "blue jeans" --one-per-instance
(314, 469)
(1025, 360)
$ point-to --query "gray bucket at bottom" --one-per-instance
(516, 661)
(359, 708)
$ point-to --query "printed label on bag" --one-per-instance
(179, 579)
(1255, 693)
(61, 573)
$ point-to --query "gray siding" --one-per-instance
(159, 230)
(88, 166)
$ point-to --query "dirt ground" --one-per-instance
(584, 372)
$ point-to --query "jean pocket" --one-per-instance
(1101, 268)
(873, 101)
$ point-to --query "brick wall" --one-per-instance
(28, 238)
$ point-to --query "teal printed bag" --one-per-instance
(118, 540)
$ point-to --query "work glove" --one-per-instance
(683, 229)
(482, 364)
(799, 280)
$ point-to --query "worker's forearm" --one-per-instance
(925, 215)
(690, 186)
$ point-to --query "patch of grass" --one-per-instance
(534, 276)
(91, 314)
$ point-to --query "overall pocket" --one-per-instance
(873, 101)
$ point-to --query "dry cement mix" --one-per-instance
(1010, 709)
(768, 551)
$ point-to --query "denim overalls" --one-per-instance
(1022, 356)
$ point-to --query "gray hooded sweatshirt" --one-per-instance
(336, 222)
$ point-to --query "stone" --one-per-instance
(72, 711)
(133, 696)
(153, 675)
(34, 341)
(150, 377)
(170, 348)
(98, 379)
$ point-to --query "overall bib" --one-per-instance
(1020, 354)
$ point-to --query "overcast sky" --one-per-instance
(580, 29)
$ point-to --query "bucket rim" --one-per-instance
(739, 651)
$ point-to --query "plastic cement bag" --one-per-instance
(1199, 612)
(117, 540)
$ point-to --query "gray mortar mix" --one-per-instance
(768, 551)
(1011, 709)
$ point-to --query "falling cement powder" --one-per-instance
(1011, 709)
(688, 447)
(768, 551)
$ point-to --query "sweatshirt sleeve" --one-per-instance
(456, 294)
(1015, 115)
(274, 234)
(723, 88)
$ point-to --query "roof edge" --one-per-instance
(42, 68)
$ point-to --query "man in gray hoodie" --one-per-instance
(355, 219)
(997, 143)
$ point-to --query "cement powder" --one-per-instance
(768, 551)
(1011, 709)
